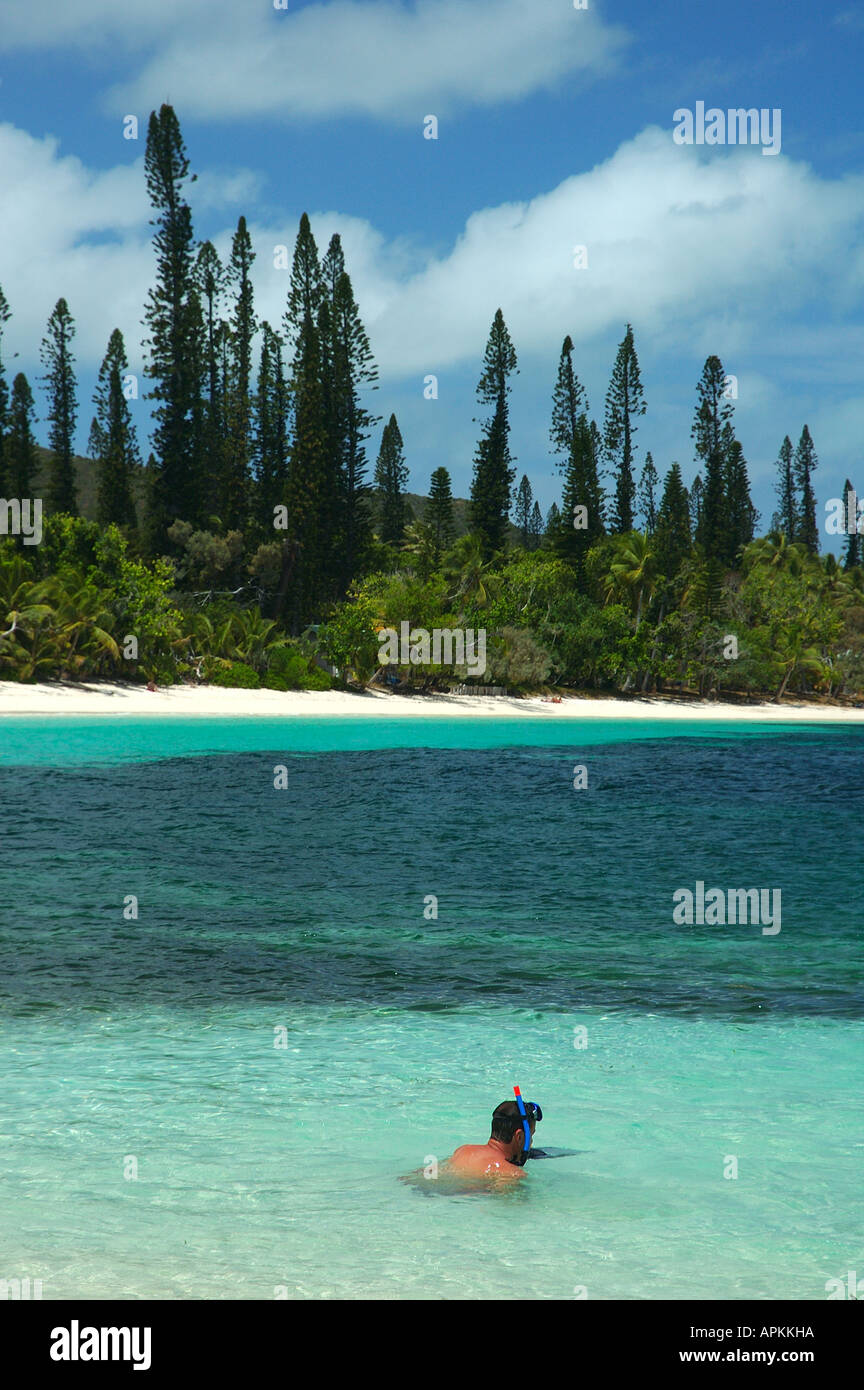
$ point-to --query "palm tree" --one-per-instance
(793, 655)
(776, 552)
(82, 623)
(842, 587)
(22, 601)
(632, 572)
(468, 572)
(251, 636)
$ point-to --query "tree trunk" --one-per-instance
(781, 692)
(289, 559)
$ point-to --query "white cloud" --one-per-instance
(83, 234)
(703, 251)
(686, 244)
(221, 59)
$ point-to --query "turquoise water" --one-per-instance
(296, 918)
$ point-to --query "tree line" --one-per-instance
(257, 488)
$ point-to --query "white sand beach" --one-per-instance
(210, 701)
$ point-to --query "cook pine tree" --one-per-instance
(535, 527)
(60, 387)
(647, 495)
(741, 515)
(391, 479)
(625, 403)
(787, 511)
(311, 482)
(673, 534)
(21, 441)
(174, 347)
(113, 443)
(209, 276)
(354, 374)
(522, 509)
(270, 432)
(235, 501)
(713, 412)
(439, 511)
(804, 466)
(493, 463)
(576, 443)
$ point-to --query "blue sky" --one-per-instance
(555, 130)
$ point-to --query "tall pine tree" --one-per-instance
(235, 501)
(535, 527)
(493, 464)
(672, 540)
(306, 291)
(113, 443)
(311, 472)
(174, 321)
(21, 444)
(577, 445)
(741, 515)
(569, 403)
(522, 509)
(647, 494)
(787, 513)
(439, 510)
(391, 477)
(306, 498)
(59, 380)
(270, 441)
(581, 521)
(713, 412)
(804, 467)
(353, 374)
(209, 275)
(625, 402)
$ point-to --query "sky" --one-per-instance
(555, 130)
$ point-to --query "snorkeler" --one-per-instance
(509, 1144)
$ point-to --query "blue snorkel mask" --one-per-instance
(530, 1111)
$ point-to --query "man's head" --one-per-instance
(507, 1127)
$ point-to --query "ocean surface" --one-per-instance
(331, 984)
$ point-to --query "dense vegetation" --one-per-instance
(254, 548)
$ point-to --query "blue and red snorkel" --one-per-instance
(526, 1128)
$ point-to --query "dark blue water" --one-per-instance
(548, 897)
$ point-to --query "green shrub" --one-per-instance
(286, 663)
(288, 668)
(517, 659)
(236, 675)
(316, 679)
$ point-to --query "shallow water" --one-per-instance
(281, 1034)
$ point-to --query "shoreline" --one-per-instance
(210, 701)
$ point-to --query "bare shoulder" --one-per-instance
(485, 1162)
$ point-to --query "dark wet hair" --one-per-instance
(507, 1120)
